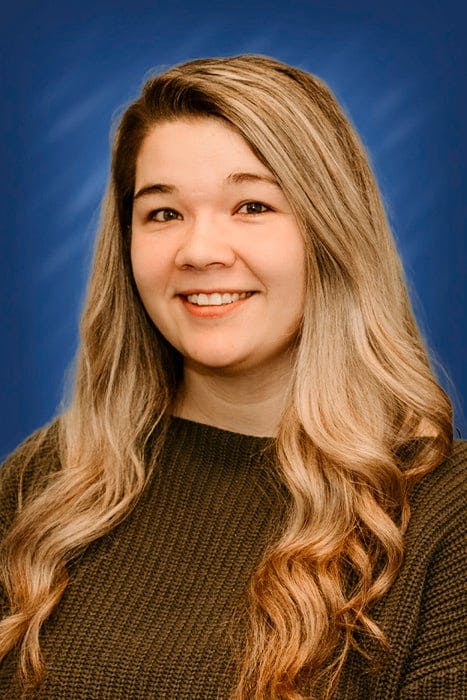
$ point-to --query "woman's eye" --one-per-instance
(253, 208)
(162, 215)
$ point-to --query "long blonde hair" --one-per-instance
(362, 389)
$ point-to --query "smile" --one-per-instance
(217, 298)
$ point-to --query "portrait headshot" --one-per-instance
(233, 464)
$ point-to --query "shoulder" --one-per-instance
(433, 545)
(451, 467)
(26, 467)
(438, 501)
(433, 582)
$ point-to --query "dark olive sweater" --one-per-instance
(154, 609)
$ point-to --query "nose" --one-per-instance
(205, 244)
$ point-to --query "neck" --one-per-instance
(251, 404)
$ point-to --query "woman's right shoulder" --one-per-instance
(27, 466)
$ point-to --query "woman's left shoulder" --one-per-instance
(452, 467)
(438, 502)
(455, 461)
(428, 596)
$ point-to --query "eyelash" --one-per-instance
(254, 213)
(152, 214)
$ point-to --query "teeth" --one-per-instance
(216, 299)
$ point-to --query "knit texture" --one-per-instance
(155, 608)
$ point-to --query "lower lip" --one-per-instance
(214, 311)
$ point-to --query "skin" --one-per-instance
(208, 234)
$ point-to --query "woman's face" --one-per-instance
(216, 252)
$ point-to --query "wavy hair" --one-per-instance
(362, 388)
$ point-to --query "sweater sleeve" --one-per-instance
(436, 667)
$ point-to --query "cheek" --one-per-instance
(284, 266)
(149, 276)
(150, 268)
(295, 264)
(291, 282)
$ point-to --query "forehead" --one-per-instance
(184, 146)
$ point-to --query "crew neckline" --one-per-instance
(187, 423)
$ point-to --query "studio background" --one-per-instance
(68, 69)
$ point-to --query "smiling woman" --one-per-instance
(213, 276)
(254, 491)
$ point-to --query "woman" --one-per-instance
(254, 492)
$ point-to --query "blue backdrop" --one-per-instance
(68, 68)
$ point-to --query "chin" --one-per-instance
(215, 362)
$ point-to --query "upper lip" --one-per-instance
(188, 292)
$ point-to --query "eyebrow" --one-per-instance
(232, 179)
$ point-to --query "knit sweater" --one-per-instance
(155, 608)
